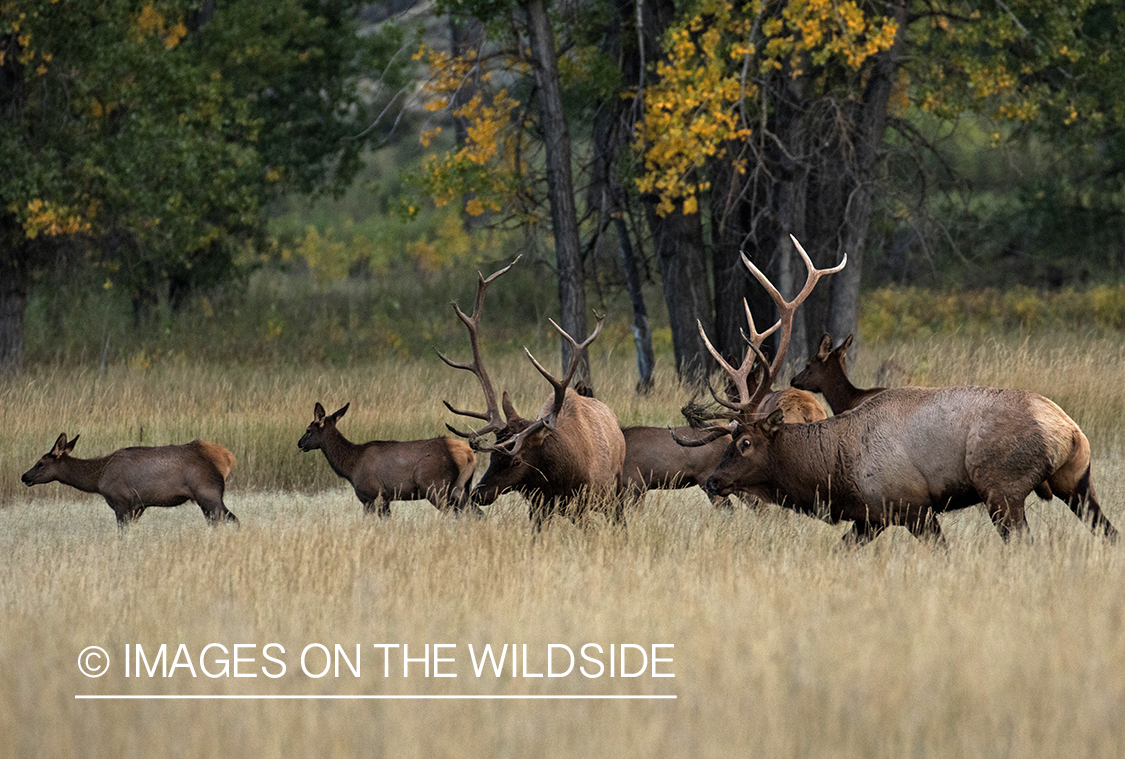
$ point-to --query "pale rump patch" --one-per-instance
(461, 453)
(1068, 450)
(219, 456)
(798, 406)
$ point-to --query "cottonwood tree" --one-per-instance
(773, 116)
(146, 138)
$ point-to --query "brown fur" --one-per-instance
(380, 471)
(219, 456)
(827, 373)
(578, 457)
(655, 461)
(908, 453)
(133, 479)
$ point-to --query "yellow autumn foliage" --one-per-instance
(701, 104)
(53, 220)
(487, 163)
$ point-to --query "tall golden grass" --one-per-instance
(784, 644)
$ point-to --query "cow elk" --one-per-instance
(438, 470)
(134, 479)
(566, 458)
(655, 461)
(906, 454)
(827, 374)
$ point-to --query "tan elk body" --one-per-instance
(133, 479)
(568, 457)
(906, 453)
(380, 471)
(580, 453)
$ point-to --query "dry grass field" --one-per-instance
(784, 645)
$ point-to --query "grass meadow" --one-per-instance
(784, 645)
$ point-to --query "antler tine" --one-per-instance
(561, 385)
(786, 309)
(712, 434)
(741, 375)
(472, 324)
(512, 445)
(757, 338)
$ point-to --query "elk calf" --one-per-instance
(133, 479)
(437, 470)
(827, 374)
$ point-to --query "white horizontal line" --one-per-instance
(369, 697)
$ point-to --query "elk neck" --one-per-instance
(839, 391)
(805, 465)
(83, 474)
(342, 454)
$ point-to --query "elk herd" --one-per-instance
(886, 457)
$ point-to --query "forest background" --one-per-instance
(314, 181)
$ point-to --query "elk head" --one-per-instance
(740, 413)
(826, 367)
(48, 467)
(314, 433)
(746, 460)
(521, 455)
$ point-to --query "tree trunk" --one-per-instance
(843, 317)
(465, 34)
(678, 242)
(13, 306)
(642, 333)
(560, 183)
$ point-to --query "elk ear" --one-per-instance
(825, 346)
(509, 410)
(60, 445)
(318, 412)
(338, 414)
(70, 445)
(772, 423)
(846, 344)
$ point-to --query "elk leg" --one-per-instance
(462, 503)
(537, 512)
(215, 512)
(126, 514)
(379, 505)
(1008, 515)
(1084, 503)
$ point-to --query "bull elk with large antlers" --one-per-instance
(570, 454)
(438, 470)
(133, 479)
(906, 454)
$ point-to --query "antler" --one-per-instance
(472, 323)
(786, 309)
(512, 445)
(575, 360)
(748, 401)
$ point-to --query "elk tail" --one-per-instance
(219, 456)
